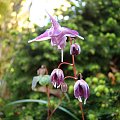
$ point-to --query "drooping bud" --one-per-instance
(81, 89)
(57, 77)
(64, 87)
(75, 49)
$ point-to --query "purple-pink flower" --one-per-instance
(75, 49)
(81, 89)
(57, 77)
(57, 34)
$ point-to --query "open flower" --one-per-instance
(57, 34)
(75, 49)
(81, 89)
(57, 77)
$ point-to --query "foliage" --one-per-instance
(98, 22)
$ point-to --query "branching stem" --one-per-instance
(56, 107)
(75, 78)
(64, 64)
(50, 113)
(75, 75)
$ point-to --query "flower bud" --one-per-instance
(81, 89)
(57, 77)
(64, 87)
(75, 49)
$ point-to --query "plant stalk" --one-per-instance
(75, 75)
(61, 55)
(48, 96)
(64, 63)
(55, 108)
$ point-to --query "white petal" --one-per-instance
(80, 37)
(55, 85)
(42, 39)
(79, 98)
(85, 101)
(31, 40)
(58, 86)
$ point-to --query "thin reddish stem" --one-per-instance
(56, 107)
(48, 96)
(80, 103)
(75, 74)
(80, 75)
(73, 60)
(74, 68)
(75, 78)
(64, 63)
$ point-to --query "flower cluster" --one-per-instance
(58, 36)
(81, 88)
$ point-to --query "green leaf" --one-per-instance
(45, 80)
(27, 100)
(42, 102)
(68, 112)
(35, 80)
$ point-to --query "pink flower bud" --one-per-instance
(57, 77)
(81, 89)
(64, 87)
(75, 49)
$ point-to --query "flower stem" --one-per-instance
(75, 74)
(73, 60)
(79, 75)
(80, 103)
(56, 107)
(71, 77)
(64, 63)
(61, 55)
(48, 96)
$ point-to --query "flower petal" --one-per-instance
(62, 42)
(55, 24)
(85, 101)
(85, 88)
(80, 37)
(42, 37)
(71, 33)
(59, 41)
(54, 41)
(79, 98)
(78, 92)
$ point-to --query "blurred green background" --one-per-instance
(98, 21)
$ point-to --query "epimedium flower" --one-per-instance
(57, 77)
(75, 49)
(57, 34)
(81, 89)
